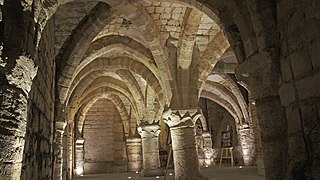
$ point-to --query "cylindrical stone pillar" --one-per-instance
(186, 163)
(150, 150)
(185, 157)
(270, 113)
(134, 151)
(207, 149)
(79, 157)
(70, 149)
(58, 154)
(247, 145)
(16, 84)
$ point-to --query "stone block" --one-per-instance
(314, 53)
(286, 69)
(272, 120)
(287, 94)
(300, 63)
(293, 119)
(159, 9)
(311, 122)
(309, 87)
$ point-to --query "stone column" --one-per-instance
(79, 157)
(150, 150)
(261, 74)
(256, 135)
(60, 126)
(16, 84)
(207, 149)
(247, 144)
(134, 151)
(186, 163)
(70, 150)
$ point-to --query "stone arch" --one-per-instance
(236, 91)
(222, 103)
(211, 56)
(82, 111)
(74, 106)
(220, 91)
(117, 45)
(99, 77)
(78, 42)
(121, 48)
(113, 87)
(203, 121)
(123, 63)
(241, 32)
(72, 59)
(192, 20)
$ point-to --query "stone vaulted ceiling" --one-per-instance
(143, 56)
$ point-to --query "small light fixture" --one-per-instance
(206, 166)
(170, 174)
(253, 103)
(129, 177)
(137, 172)
(240, 167)
(157, 177)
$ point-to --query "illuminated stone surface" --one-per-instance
(250, 65)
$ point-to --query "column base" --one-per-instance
(152, 172)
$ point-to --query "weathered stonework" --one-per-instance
(148, 55)
(270, 114)
(14, 116)
(134, 151)
(181, 123)
(104, 144)
(150, 150)
(204, 149)
(79, 157)
(58, 149)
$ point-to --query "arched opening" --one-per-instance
(104, 148)
(155, 60)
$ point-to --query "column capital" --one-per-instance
(23, 73)
(181, 118)
(60, 126)
(149, 130)
(206, 135)
(80, 141)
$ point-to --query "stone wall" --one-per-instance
(38, 151)
(104, 146)
(300, 90)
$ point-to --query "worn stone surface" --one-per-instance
(104, 147)
(134, 151)
(150, 150)
(181, 123)
(147, 56)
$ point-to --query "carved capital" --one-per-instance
(23, 73)
(181, 118)
(80, 142)
(60, 126)
(149, 131)
(206, 135)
